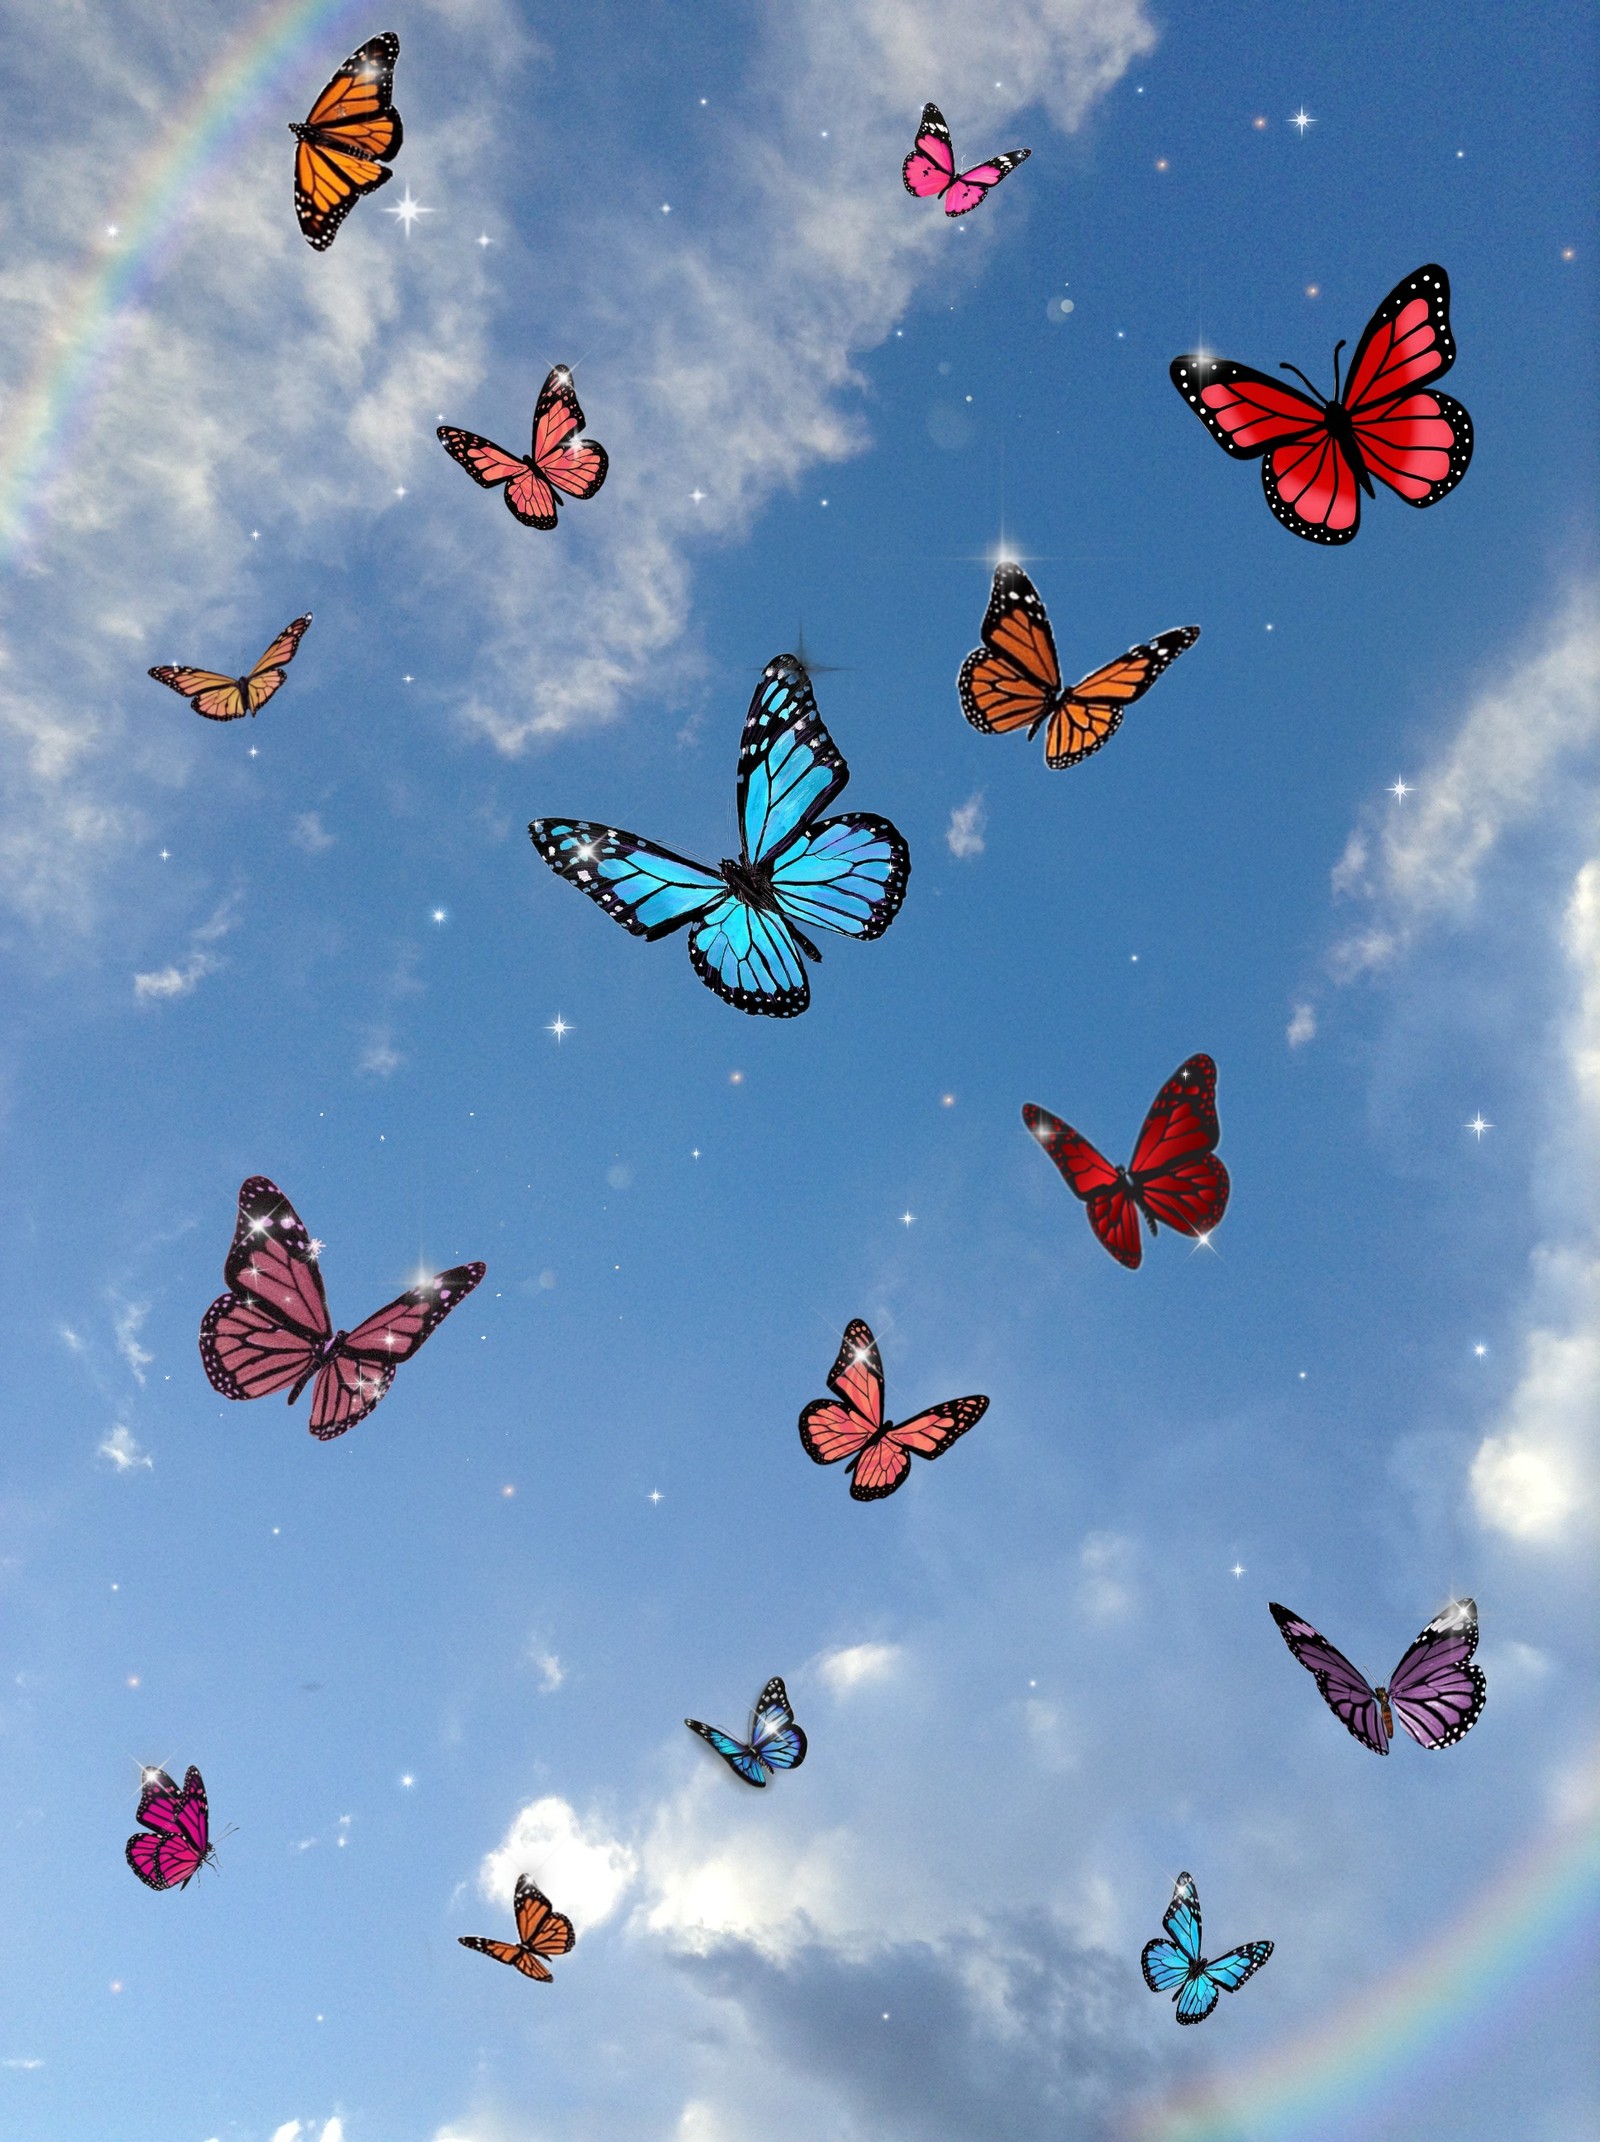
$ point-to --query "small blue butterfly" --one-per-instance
(1178, 1963)
(775, 1743)
(793, 872)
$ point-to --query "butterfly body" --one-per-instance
(345, 142)
(751, 919)
(1013, 681)
(930, 173)
(174, 1842)
(272, 1328)
(775, 1743)
(557, 460)
(1387, 420)
(541, 1931)
(221, 698)
(1173, 1964)
(1174, 1178)
(1436, 1691)
(852, 1423)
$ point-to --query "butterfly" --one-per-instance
(175, 1841)
(349, 136)
(851, 1423)
(221, 698)
(1435, 1692)
(272, 1326)
(541, 1931)
(795, 871)
(1173, 1177)
(930, 169)
(1320, 455)
(558, 459)
(1014, 679)
(1177, 1962)
(775, 1743)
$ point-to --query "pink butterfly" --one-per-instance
(930, 169)
(558, 461)
(1436, 1692)
(272, 1327)
(176, 1839)
(851, 1423)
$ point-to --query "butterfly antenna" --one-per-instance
(1295, 369)
(1337, 347)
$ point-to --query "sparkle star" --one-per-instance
(1478, 1126)
(315, 1247)
(697, 494)
(1400, 790)
(166, 855)
(906, 1218)
(1301, 120)
(654, 1495)
(484, 238)
(559, 1027)
(1238, 1569)
(406, 211)
(1480, 1350)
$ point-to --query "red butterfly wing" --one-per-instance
(931, 166)
(1312, 487)
(576, 466)
(362, 1369)
(1175, 1178)
(1418, 443)
(1089, 1175)
(842, 1426)
(1309, 481)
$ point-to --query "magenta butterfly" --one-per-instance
(558, 459)
(272, 1327)
(851, 1424)
(1436, 1692)
(175, 1841)
(930, 170)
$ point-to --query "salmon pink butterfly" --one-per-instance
(559, 460)
(851, 1424)
(930, 169)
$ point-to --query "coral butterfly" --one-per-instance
(221, 698)
(795, 871)
(851, 1424)
(775, 1743)
(349, 136)
(1435, 1692)
(930, 169)
(1173, 1177)
(272, 1326)
(175, 1841)
(558, 459)
(1318, 456)
(1013, 680)
(541, 1930)
(1175, 1965)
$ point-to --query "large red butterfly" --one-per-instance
(347, 140)
(1013, 680)
(272, 1327)
(851, 1423)
(1318, 456)
(542, 1931)
(558, 461)
(1174, 1175)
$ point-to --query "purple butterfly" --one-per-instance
(1435, 1691)
(176, 1840)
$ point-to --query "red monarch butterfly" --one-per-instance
(1174, 1176)
(558, 459)
(1317, 456)
(542, 1931)
(1014, 679)
(349, 137)
(221, 698)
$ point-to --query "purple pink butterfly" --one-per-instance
(1436, 1692)
(175, 1840)
(930, 170)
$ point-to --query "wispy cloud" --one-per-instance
(309, 833)
(964, 834)
(127, 1321)
(182, 978)
(379, 1058)
(856, 1665)
(125, 1454)
(1302, 1026)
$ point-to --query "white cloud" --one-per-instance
(309, 833)
(551, 1671)
(580, 1867)
(21, 2061)
(380, 1058)
(711, 1879)
(125, 1454)
(127, 1321)
(288, 2132)
(1106, 1590)
(1302, 1026)
(181, 980)
(964, 834)
(856, 1664)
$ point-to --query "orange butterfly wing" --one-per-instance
(507, 1952)
(218, 698)
(543, 1929)
(270, 672)
(1012, 680)
(1091, 713)
(349, 134)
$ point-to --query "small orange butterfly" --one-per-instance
(543, 1930)
(1013, 680)
(221, 698)
(350, 135)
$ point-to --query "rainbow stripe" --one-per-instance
(47, 418)
(1384, 2043)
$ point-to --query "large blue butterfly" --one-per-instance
(795, 870)
(775, 1743)
(1178, 1962)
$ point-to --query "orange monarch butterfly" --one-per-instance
(543, 1931)
(221, 698)
(1013, 680)
(349, 135)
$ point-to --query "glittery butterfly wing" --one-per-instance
(363, 1364)
(1012, 681)
(559, 459)
(851, 1424)
(1088, 1174)
(174, 1842)
(265, 1332)
(775, 1743)
(1345, 1690)
(348, 137)
(1436, 1692)
(542, 1931)
(1175, 1175)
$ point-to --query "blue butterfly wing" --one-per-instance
(1182, 1917)
(733, 1752)
(1197, 1999)
(1163, 1965)
(790, 769)
(1231, 1971)
(848, 874)
(649, 890)
(749, 956)
(774, 1736)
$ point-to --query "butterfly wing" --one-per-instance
(265, 1331)
(841, 1426)
(751, 958)
(790, 769)
(349, 134)
(847, 874)
(507, 1952)
(968, 188)
(1436, 1692)
(886, 1460)
(1091, 713)
(1418, 443)
(742, 1760)
(217, 697)
(1012, 680)
(1089, 1175)
(176, 1837)
(1167, 1962)
(576, 466)
(774, 1736)
(269, 673)
(649, 890)
(527, 494)
(1347, 1692)
(1226, 1974)
(1175, 1178)
(1309, 481)
(931, 165)
(543, 1929)
(361, 1371)
(1164, 1965)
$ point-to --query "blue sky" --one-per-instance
(1033, 1684)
